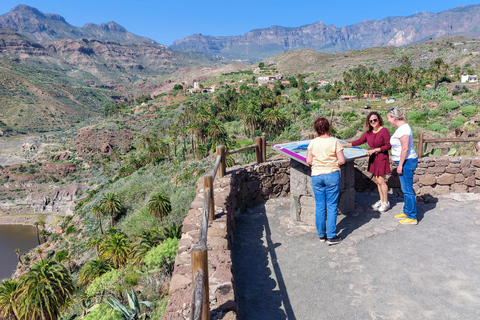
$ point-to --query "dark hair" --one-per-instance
(367, 125)
(322, 126)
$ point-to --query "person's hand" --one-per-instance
(370, 152)
(400, 170)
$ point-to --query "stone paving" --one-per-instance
(381, 270)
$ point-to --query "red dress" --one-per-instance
(378, 163)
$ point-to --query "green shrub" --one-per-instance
(162, 255)
(433, 113)
(469, 111)
(460, 121)
(70, 229)
(103, 312)
(438, 127)
(107, 282)
(416, 116)
(447, 106)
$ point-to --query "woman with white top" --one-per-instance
(406, 159)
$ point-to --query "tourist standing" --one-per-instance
(406, 159)
(325, 155)
(378, 139)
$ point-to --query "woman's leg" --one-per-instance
(332, 186)
(320, 212)
(382, 188)
(410, 207)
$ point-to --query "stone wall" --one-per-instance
(241, 186)
(434, 176)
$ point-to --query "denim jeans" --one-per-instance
(326, 188)
(406, 182)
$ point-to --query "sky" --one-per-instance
(167, 21)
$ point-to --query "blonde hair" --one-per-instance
(397, 113)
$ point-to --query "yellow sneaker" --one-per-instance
(401, 216)
(408, 221)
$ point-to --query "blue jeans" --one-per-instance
(326, 188)
(406, 182)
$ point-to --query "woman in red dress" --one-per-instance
(378, 139)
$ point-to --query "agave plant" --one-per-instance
(132, 312)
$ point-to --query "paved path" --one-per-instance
(382, 270)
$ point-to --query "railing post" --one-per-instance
(208, 183)
(311, 136)
(200, 262)
(222, 167)
(258, 149)
(420, 145)
(264, 148)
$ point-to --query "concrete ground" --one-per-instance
(381, 270)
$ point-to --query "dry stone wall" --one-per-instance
(241, 187)
(433, 176)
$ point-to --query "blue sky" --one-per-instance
(166, 21)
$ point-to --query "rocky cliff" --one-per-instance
(49, 27)
(393, 31)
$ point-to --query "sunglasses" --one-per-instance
(373, 120)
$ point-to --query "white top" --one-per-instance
(403, 130)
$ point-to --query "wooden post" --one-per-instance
(311, 136)
(208, 183)
(222, 167)
(200, 262)
(420, 145)
(258, 149)
(264, 148)
(331, 118)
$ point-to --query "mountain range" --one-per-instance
(47, 27)
(261, 44)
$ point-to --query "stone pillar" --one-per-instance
(302, 204)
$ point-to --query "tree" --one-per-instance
(407, 73)
(9, 299)
(36, 227)
(45, 290)
(159, 205)
(111, 206)
(19, 254)
(437, 66)
(94, 269)
(117, 249)
(98, 212)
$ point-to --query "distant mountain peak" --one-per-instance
(41, 27)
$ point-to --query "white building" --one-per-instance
(469, 78)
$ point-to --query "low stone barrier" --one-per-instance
(249, 185)
(241, 187)
(433, 176)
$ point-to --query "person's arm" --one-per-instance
(309, 157)
(404, 142)
(340, 157)
(357, 142)
(386, 136)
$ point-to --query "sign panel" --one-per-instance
(297, 150)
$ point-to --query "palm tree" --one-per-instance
(19, 254)
(36, 223)
(95, 243)
(45, 290)
(98, 212)
(111, 206)
(407, 73)
(438, 65)
(117, 249)
(9, 299)
(159, 205)
(94, 269)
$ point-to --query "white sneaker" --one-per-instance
(377, 205)
(384, 206)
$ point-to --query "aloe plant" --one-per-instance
(132, 312)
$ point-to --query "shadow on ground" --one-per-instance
(261, 294)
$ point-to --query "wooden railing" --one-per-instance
(200, 304)
(421, 140)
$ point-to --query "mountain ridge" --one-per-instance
(46, 27)
(259, 44)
